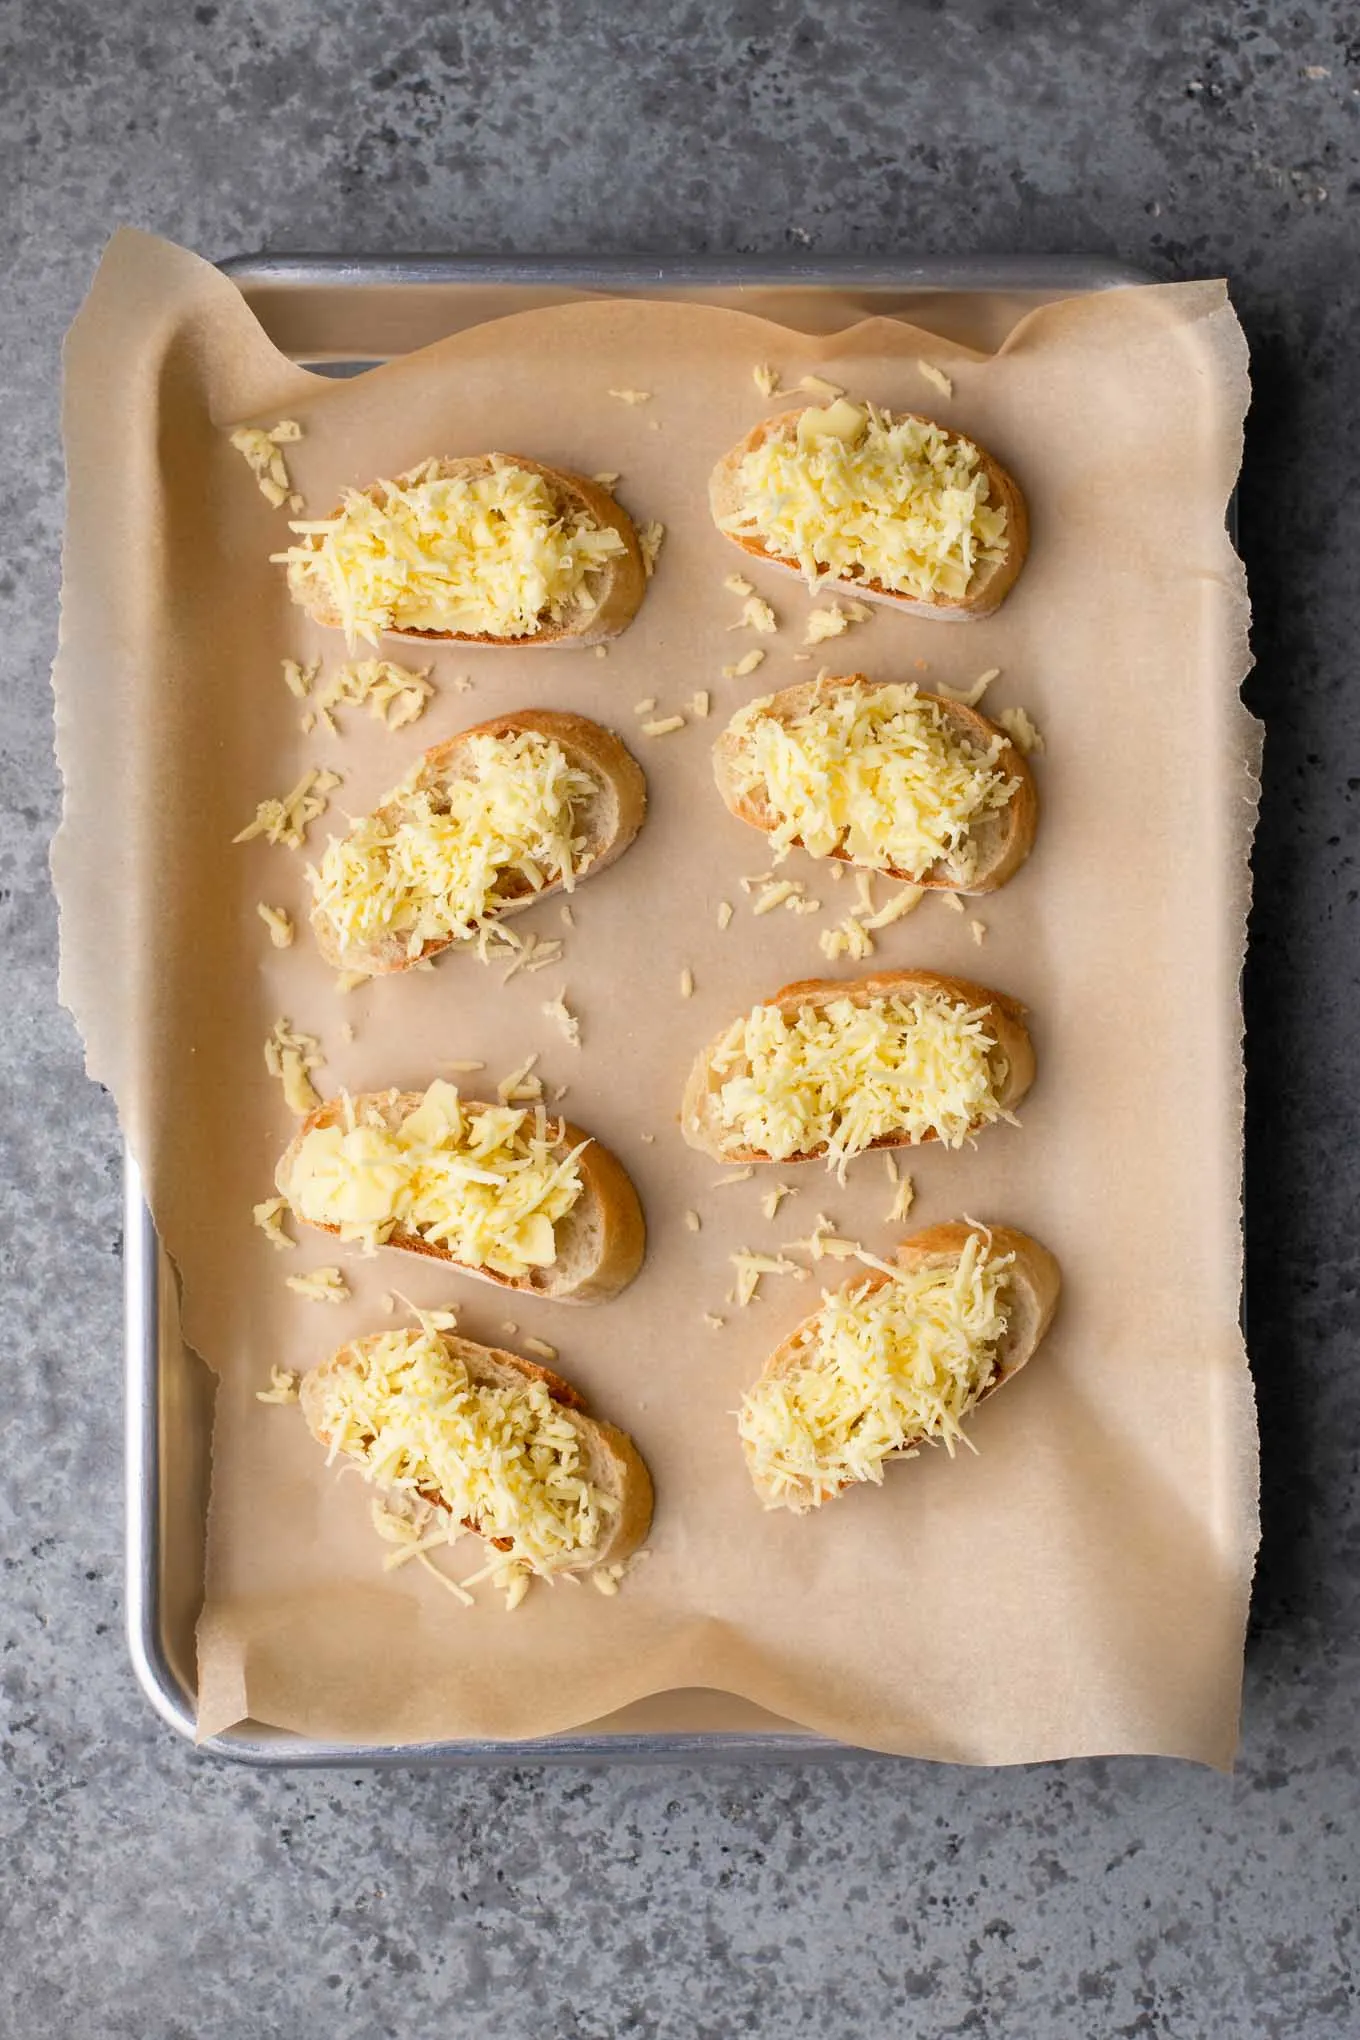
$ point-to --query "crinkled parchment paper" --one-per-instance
(1080, 1584)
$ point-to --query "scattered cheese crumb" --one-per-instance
(521, 1087)
(778, 895)
(266, 463)
(632, 396)
(558, 1010)
(602, 651)
(775, 1196)
(350, 981)
(287, 820)
(607, 479)
(724, 913)
(849, 938)
(559, 1093)
(277, 921)
(978, 931)
(766, 379)
(283, 1386)
(750, 1267)
(713, 1321)
(742, 1175)
(568, 918)
(322, 1285)
(936, 377)
(648, 1137)
(756, 614)
(953, 902)
(1020, 730)
(969, 697)
(464, 683)
(540, 1348)
(269, 1217)
(826, 623)
(664, 727)
(693, 1221)
(744, 665)
(298, 678)
(388, 1304)
(737, 584)
(463, 1068)
(650, 537)
(289, 1056)
(645, 706)
(509, 1327)
(699, 703)
(394, 695)
(347, 1030)
(687, 983)
(903, 1201)
(818, 386)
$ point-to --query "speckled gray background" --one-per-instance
(147, 1893)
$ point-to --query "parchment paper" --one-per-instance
(1080, 1584)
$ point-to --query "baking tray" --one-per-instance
(342, 315)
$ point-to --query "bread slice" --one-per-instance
(1034, 1282)
(991, 582)
(1013, 1057)
(610, 1459)
(1003, 838)
(608, 821)
(600, 1243)
(617, 589)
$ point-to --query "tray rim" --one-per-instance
(256, 1744)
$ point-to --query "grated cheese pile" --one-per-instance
(853, 494)
(500, 1456)
(486, 1182)
(491, 553)
(433, 863)
(838, 1077)
(877, 773)
(877, 1373)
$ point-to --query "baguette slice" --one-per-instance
(610, 1459)
(617, 589)
(608, 821)
(991, 582)
(1035, 1282)
(1013, 1056)
(1003, 838)
(600, 1243)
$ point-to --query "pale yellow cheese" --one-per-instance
(877, 1373)
(838, 1077)
(878, 774)
(486, 1182)
(493, 553)
(432, 863)
(853, 494)
(500, 1457)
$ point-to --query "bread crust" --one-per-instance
(608, 1210)
(1004, 838)
(613, 1461)
(620, 585)
(609, 822)
(991, 582)
(1006, 1017)
(1035, 1282)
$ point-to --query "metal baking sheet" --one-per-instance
(342, 315)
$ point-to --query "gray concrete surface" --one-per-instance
(146, 1893)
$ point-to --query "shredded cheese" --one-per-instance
(724, 913)
(692, 1221)
(774, 1197)
(650, 537)
(558, 1010)
(833, 1079)
(260, 447)
(298, 678)
(394, 695)
(498, 1457)
(936, 377)
(826, 623)
(978, 931)
(287, 819)
(747, 663)
(687, 983)
(540, 1349)
(291, 1056)
(322, 1285)
(903, 1199)
(751, 1267)
(269, 1217)
(700, 703)
(488, 1183)
(632, 396)
(877, 1372)
(737, 584)
(766, 379)
(969, 697)
(819, 386)
(875, 773)
(440, 857)
(757, 615)
(849, 493)
(1020, 730)
(278, 922)
(283, 1387)
(496, 552)
(664, 727)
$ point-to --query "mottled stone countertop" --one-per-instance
(150, 1894)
